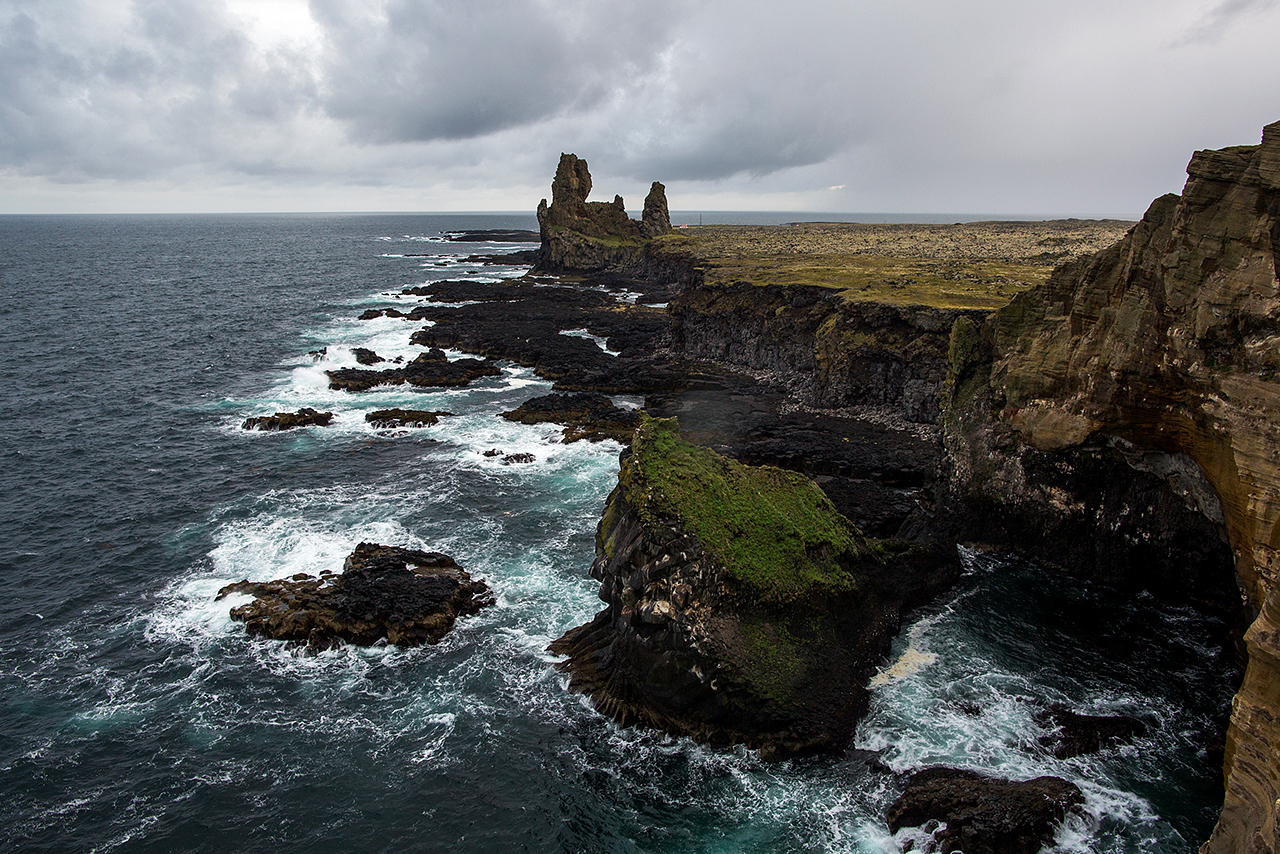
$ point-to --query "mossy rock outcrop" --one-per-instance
(742, 608)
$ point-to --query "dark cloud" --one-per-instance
(424, 70)
(91, 91)
(917, 105)
(1214, 23)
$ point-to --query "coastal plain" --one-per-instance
(972, 265)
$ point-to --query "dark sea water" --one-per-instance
(135, 716)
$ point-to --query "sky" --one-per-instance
(1077, 107)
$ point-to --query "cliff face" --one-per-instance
(831, 352)
(583, 236)
(1153, 365)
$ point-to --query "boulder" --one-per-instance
(405, 596)
(984, 815)
(391, 419)
(305, 417)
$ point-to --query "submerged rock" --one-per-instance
(406, 596)
(984, 815)
(586, 415)
(742, 608)
(305, 417)
(1075, 734)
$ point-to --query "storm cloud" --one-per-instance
(924, 105)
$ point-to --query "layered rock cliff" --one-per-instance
(831, 352)
(1141, 384)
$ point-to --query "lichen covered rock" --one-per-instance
(742, 608)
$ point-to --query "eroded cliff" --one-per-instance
(1140, 383)
(582, 236)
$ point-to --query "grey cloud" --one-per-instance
(1214, 23)
(429, 70)
(86, 93)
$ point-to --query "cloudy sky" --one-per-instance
(1078, 107)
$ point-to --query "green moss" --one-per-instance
(777, 659)
(773, 530)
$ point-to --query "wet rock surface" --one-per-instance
(305, 417)
(1076, 734)
(390, 419)
(523, 322)
(365, 356)
(586, 415)
(432, 369)
(405, 596)
(983, 815)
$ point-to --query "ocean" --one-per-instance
(136, 716)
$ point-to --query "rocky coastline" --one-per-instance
(1111, 421)
(815, 441)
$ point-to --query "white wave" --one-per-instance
(602, 343)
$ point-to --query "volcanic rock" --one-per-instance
(984, 815)
(390, 419)
(582, 236)
(305, 417)
(1148, 372)
(365, 356)
(1075, 734)
(522, 322)
(741, 607)
(405, 596)
(429, 370)
(586, 415)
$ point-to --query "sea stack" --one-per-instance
(582, 236)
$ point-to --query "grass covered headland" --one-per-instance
(965, 265)
(771, 529)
